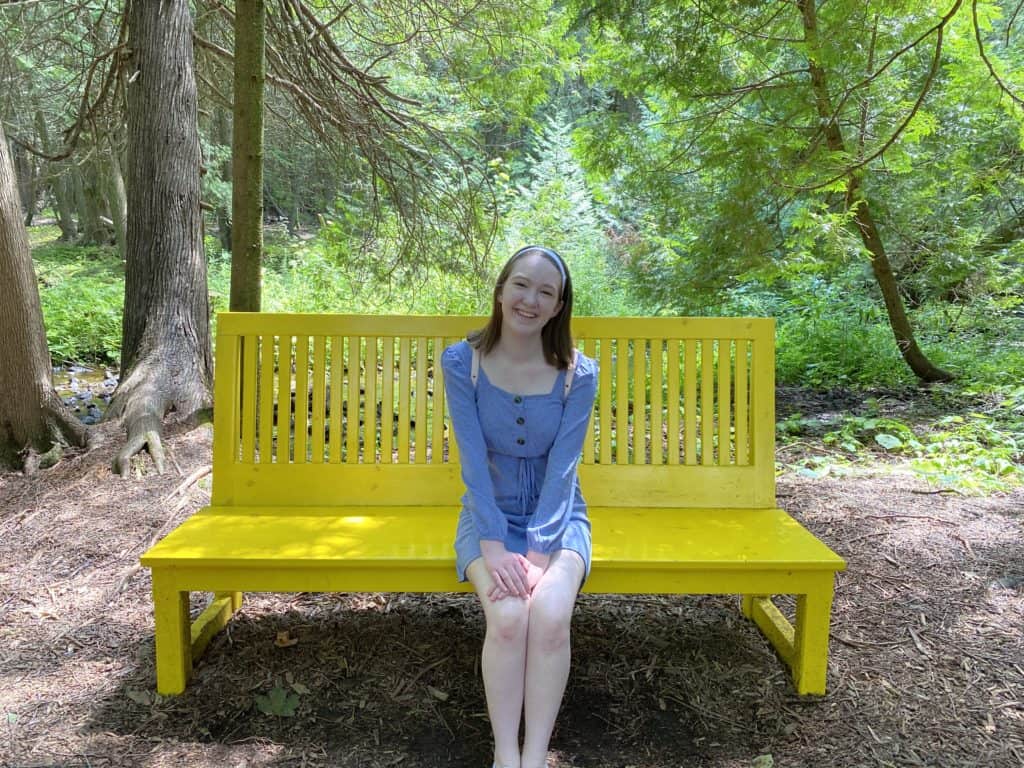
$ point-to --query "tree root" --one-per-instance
(142, 433)
(142, 401)
(60, 430)
(36, 461)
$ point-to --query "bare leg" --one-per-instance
(547, 651)
(503, 664)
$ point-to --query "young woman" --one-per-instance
(520, 398)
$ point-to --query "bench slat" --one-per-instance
(742, 388)
(673, 401)
(690, 402)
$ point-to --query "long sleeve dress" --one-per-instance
(519, 455)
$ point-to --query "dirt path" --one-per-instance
(927, 663)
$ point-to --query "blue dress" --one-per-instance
(519, 455)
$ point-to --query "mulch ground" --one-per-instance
(926, 668)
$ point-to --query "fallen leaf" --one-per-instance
(284, 640)
(144, 698)
(437, 693)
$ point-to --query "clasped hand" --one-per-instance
(513, 574)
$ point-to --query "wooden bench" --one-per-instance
(333, 470)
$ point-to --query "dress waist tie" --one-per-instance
(527, 485)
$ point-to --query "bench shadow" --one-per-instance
(389, 679)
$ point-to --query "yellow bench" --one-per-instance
(333, 470)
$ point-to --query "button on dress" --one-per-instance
(519, 455)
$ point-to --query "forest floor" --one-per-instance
(926, 666)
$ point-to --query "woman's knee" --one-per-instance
(550, 619)
(553, 601)
(508, 619)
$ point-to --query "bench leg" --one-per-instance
(804, 647)
(747, 605)
(813, 612)
(211, 621)
(173, 641)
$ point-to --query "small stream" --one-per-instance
(86, 391)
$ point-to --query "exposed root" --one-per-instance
(143, 432)
(59, 430)
(142, 401)
(36, 461)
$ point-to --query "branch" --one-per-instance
(926, 87)
(981, 50)
(939, 26)
(751, 87)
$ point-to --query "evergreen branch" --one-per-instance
(925, 88)
(984, 57)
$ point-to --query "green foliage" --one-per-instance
(973, 452)
(309, 276)
(556, 207)
(278, 702)
(82, 296)
(858, 432)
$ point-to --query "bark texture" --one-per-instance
(33, 420)
(247, 156)
(166, 360)
(899, 322)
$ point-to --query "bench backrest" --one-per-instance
(329, 410)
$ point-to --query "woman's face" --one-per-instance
(530, 296)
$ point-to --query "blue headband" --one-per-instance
(551, 255)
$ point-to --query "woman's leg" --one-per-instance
(547, 651)
(503, 663)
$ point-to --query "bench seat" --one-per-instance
(419, 538)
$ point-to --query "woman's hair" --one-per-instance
(556, 334)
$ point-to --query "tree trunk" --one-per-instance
(899, 322)
(222, 128)
(165, 357)
(61, 185)
(247, 156)
(25, 172)
(33, 420)
(89, 203)
(118, 199)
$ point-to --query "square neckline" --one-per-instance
(492, 385)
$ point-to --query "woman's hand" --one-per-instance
(533, 574)
(507, 569)
(536, 564)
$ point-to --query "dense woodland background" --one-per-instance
(853, 169)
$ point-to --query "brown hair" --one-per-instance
(556, 335)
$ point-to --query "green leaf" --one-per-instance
(813, 473)
(278, 702)
(887, 441)
(143, 697)
(763, 761)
